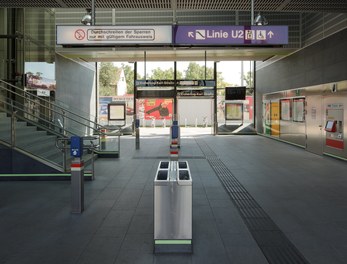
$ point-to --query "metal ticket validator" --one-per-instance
(173, 208)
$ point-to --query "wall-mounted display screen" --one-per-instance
(116, 111)
(235, 93)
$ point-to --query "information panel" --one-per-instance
(231, 35)
(170, 83)
(116, 111)
(107, 35)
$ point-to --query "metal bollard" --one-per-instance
(137, 134)
(77, 186)
(103, 139)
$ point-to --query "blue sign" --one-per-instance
(76, 147)
(231, 35)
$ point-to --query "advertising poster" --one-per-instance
(158, 109)
(234, 111)
(275, 119)
(285, 109)
(103, 107)
(267, 118)
(299, 110)
(40, 75)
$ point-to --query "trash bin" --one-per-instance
(173, 208)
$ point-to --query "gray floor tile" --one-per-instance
(308, 203)
(246, 255)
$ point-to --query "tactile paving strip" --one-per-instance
(275, 246)
(167, 157)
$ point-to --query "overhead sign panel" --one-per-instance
(110, 35)
(231, 35)
(169, 83)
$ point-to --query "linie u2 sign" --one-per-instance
(109, 35)
(231, 35)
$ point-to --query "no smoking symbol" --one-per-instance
(80, 34)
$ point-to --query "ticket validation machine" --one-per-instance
(77, 175)
(334, 126)
(175, 141)
(173, 232)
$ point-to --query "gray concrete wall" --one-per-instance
(322, 62)
(76, 89)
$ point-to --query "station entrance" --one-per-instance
(159, 102)
(176, 44)
(189, 95)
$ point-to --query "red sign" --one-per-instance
(80, 34)
(158, 109)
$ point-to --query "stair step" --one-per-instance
(6, 138)
(53, 155)
(4, 119)
(37, 140)
(41, 147)
(33, 139)
(5, 126)
(5, 129)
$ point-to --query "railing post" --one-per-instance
(137, 133)
(64, 156)
(64, 125)
(119, 142)
(13, 128)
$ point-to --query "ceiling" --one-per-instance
(178, 53)
(173, 54)
(338, 6)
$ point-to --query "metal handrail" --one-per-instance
(15, 110)
(49, 122)
(12, 109)
(97, 127)
(12, 143)
(61, 144)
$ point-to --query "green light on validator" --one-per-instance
(173, 242)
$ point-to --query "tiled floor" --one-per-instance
(304, 194)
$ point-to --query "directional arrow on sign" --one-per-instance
(270, 34)
(191, 34)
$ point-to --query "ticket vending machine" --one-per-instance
(334, 126)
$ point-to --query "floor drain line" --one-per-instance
(275, 246)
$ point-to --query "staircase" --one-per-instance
(30, 140)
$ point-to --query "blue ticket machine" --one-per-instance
(77, 175)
